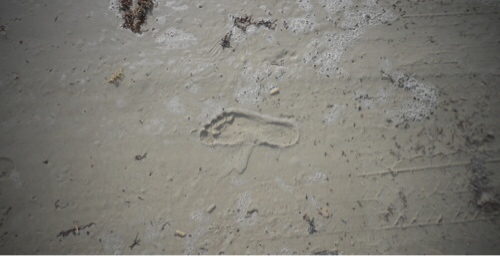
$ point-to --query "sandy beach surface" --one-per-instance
(250, 127)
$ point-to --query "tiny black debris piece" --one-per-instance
(59, 206)
(139, 157)
(137, 241)
(267, 23)
(163, 226)
(244, 22)
(249, 213)
(75, 231)
(226, 41)
(311, 229)
(326, 252)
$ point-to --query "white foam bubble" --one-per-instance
(285, 251)
(198, 216)
(111, 244)
(155, 126)
(172, 38)
(238, 182)
(418, 99)
(317, 177)
(161, 20)
(371, 101)
(248, 95)
(305, 5)
(334, 5)
(331, 117)
(16, 178)
(421, 104)
(146, 62)
(192, 87)
(324, 53)
(203, 220)
(151, 234)
(114, 6)
(238, 36)
(281, 184)
(301, 25)
(176, 6)
(210, 109)
(243, 205)
(120, 103)
(175, 106)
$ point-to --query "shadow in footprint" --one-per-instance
(245, 129)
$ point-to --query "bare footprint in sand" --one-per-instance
(245, 129)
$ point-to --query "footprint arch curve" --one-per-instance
(235, 126)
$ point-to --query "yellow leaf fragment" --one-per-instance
(323, 212)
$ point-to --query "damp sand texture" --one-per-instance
(250, 127)
(241, 127)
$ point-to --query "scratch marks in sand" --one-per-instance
(245, 129)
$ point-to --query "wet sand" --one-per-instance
(321, 126)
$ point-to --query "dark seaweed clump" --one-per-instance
(134, 18)
(243, 23)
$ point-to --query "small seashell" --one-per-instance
(211, 208)
(180, 233)
(323, 212)
(274, 91)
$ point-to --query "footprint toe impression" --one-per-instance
(245, 129)
(239, 126)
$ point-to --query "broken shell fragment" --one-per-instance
(211, 208)
(323, 212)
(180, 233)
(274, 91)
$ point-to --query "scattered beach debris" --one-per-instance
(311, 228)
(274, 91)
(250, 212)
(116, 76)
(136, 242)
(484, 195)
(75, 230)
(59, 205)
(323, 212)
(180, 233)
(211, 208)
(140, 157)
(134, 19)
(226, 41)
(326, 252)
(243, 23)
